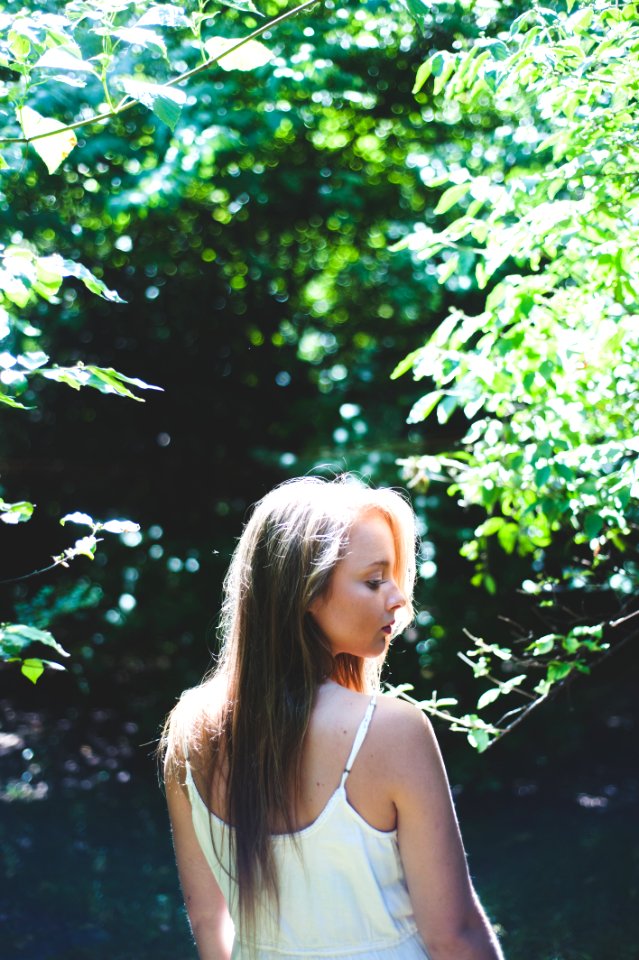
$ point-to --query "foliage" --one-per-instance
(547, 372)
(114, 52)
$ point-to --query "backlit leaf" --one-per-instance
(52, 149)
(120, 526)
(165, 102)
(78, 517)
(141, 37)
(164, 15)
(487, 697)
(18, 512)
(245, 6)
(247, 57)
(57, 58)
(72, 269)
(32, 669)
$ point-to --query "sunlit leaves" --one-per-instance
(553, 349)
(542, 213)
(12, 513)
(69, 268)
(52, 147)
(108, 526)
(78, 517)
(249, 56)
(104, 379)
(165, 102)
(164, 15)
(245, 6)
(59, 58)
(17, 637)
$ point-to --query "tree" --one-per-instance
(115, 52)
(541, 221)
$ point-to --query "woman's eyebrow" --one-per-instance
(377, 563)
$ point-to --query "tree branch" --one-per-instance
(127, 102)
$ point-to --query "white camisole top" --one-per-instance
(342, 886)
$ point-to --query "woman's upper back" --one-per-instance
(343, 860)
(335, 719)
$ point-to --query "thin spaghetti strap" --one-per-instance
(359, 738)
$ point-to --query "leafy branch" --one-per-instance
(483, 733)
(224, 57)
(16, 637)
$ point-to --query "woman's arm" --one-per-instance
(205, 904)
(449, 915)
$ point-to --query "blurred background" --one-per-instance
(251, 245)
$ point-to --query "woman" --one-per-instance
(312, 816)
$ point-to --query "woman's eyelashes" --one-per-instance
(375, 584)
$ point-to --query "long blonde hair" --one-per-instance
(273, 658)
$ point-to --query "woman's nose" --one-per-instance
(395, 598)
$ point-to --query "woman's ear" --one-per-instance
(313, 606)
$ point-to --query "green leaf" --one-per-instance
(452, 196)
(593, 525)
(446, 408)
(164, 15)
(77, 517)
(479, 739)
(165, 102)
(542, 475)
(72, 269)
(424, 406)
(245, 6)
(489, 584)
(558, 670)
(489, 527)
(10, 402)
(18, 512)
(120, 526)
(58, 58)
(448, 268)
(443, 64)
(422, 75)
(406, 364)
(108, 380)
(507, 536)
(247, 57)
(32, 359)
(52, 149)
(32, 669)
(595, 631)
(14, 637)
(140, 37)
(488, 696)
(104, 379)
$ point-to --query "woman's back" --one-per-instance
(342, 890)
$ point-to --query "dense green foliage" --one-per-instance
(542, 213)
(261, 226)
(98, 49)
(208, 205)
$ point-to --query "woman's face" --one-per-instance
(357, 612)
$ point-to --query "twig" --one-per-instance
(616, 623)
(562, 685)
(494, 680)
(34, 573)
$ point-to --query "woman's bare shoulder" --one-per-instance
(406, 735)
(402, 716)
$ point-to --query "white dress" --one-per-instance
(342, 886)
